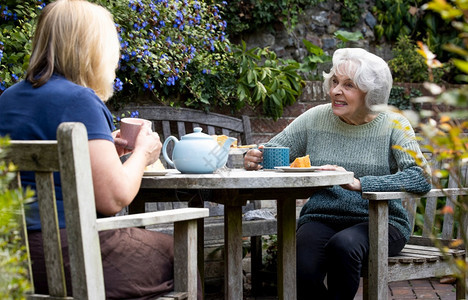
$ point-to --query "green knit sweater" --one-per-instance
(365, 150)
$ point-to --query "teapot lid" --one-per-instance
(197, 134)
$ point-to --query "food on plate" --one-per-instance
(156, 166)
(301, 162)
(222, 138)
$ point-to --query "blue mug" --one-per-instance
(275, 157)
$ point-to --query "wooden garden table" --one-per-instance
(232, 188)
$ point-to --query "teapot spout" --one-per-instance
(227, 144)
(223, 157)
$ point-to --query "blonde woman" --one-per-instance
(72, 68)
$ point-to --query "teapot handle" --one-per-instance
(164, 149)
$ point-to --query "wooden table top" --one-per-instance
(242, 179)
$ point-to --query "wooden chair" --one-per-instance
(69, 155)
(421, 258)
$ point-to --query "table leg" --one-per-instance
(286, 209)
(233, 252)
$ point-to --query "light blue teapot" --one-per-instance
(197, 153)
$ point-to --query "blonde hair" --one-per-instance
(369, 72)
(78, 40)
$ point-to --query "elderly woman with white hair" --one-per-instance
(351, 133)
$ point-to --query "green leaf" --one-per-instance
(262, 89)
(347, 36)
(312, 48)
(461, 64)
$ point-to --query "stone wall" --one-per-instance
(317, 24)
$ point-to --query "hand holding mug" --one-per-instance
(130, 128)
(253, 158)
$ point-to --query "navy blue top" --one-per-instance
(28, 113)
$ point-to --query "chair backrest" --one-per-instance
(69, 155)
(433, 203)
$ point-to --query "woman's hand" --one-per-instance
(149, 143)
(120, 143)
(354, 186)
(253, 158)
(116, 184)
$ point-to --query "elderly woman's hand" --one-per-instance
(253, 158)
(354, 186)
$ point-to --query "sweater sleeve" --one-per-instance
(411, 176)
(412, 180)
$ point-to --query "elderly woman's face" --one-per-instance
(347, 100)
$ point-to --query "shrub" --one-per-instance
(16, 30)
(402, 98)
(173, 52)
(273, 84)
(408, 66)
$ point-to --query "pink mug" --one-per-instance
(129, 129)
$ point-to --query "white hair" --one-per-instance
(369, 72)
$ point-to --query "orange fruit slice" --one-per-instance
(301, 162)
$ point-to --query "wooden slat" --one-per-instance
(429, 216)
(181, 128)
(42, 297)
(51, 237)
(157, 217)
(378, 241)
(166, 125)
(399, 195)
(211, 130)
(165, 205)
(25, 156)
(247, 130)
(398, 272)
(411, 205)
(448, 224)
(225, 131)
(185, 258)
(174, 296)
(80, 211)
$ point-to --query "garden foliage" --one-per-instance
(444, 126)
(173, 52)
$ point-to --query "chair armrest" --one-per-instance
(398, 195)
(152, 218)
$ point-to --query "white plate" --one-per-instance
(289, 169)
(155, 173)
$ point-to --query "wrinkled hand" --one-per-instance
(354, 186)
(253, 158)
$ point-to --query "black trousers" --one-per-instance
(337, 253)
